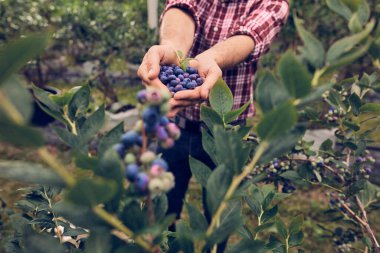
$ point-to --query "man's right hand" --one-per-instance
(150, 66)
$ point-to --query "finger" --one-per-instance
(153, 59)
(181, 103)
(188, 94)
(210, 80)
(173, 112)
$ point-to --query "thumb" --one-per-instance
(209, 82)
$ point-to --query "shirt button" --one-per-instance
(216, 29)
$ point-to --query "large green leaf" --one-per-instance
(19, 96)
(231, 220)
(99, 241)
(208, 145)
(313, 49)
(294, 75)
(198, 221)
(79, 102)
(315, 94)
(339, 7)
(67, 137)
(16, 54)
(29, 173)
(217, 186)
(21, 136)
(221, 98)
(200, 171)
(342, 46)
(210, 117)
(370, 108)
(111, 138)
(269, 92)
(277, 122)
(248, 246)
(230, 149)
(369, 194)
(232, 115)
(92, 125)
(90, 192)
(296, 225)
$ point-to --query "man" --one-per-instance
(226, 38)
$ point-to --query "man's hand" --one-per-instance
(150, 66)
(210, 72)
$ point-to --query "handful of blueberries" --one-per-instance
(176, 79)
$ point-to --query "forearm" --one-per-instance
(177, 30)
(230, 52)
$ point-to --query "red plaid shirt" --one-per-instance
(217, 20)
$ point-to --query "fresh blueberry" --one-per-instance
(160, 162)
(131, 171)
(142, 181)
(150, 116)
(120, 149)
(178, 87)
(129, 138)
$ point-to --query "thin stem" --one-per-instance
(234, 185)
(56, 166)
(71, 123)
(150, 209)
(58, 232)
(259, 220)
(10, 110)
(115, 222)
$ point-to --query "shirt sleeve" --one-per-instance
(262, 24)
(188, 6)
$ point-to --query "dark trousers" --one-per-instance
(189, 144)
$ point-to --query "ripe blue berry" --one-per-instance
(120, 149)
(141, 96)
(142, 181)
(131, 172)
(161, 163)
(150, 116)
(161, 133)
(129, 138)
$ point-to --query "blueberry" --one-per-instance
(164, 79)
(193, 77)
(161, 162)
(120, 149)
(199, 81)
(129, 138)
(141, 96)
(181, 77)
(161, 133)
(169, 72)
(191, 70)
(172, 77)
(174, 83)
(187, 80)
(150, 116)
(142, 181)
(171, 89)
(178, 71)
(186, 75)
(178, 87)
(164, 121)
(131, 171)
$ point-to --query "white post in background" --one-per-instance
(153, 14)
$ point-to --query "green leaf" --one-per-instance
(90, 192)
(230, 222)
(263, 227)
(184, 236)
(370, 108)
(339, 7)
(315, 94)
(351, 125)
(19, 96)
(24, 137)
(282, 144)
(230, 149)
(111, 138)
(356, 103)
(269, 92)
(99, 241)
(269, 214)
(268, 200)
(217, 186)
(291, 175)
(221, 98)
(281, 229)
(369, 194)
(79, 102)
(355, 25)
(294, 75)
(210, 117)
(92, 125)
(208, 145)
(349, 57)
(35, 242)
(254, 205)
(200, 171)
(296, 239)
(134, 217)
(68, 138)
(277, 122)
(364, 12)
(232, 115)
(313, 49)
(85, 162)
(16, 54)
(342, 46)
(45, 102)
(296, 225)
(245, 232)
(248, 246)
(29, 173)
(198, 221)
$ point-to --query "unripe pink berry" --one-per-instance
(156, 170)
(154, 97)
(168, 143)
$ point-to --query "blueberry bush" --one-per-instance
(110, 197)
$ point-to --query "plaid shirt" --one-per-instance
(217, 20)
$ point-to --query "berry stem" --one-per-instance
(115, 222)
(150, 209)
